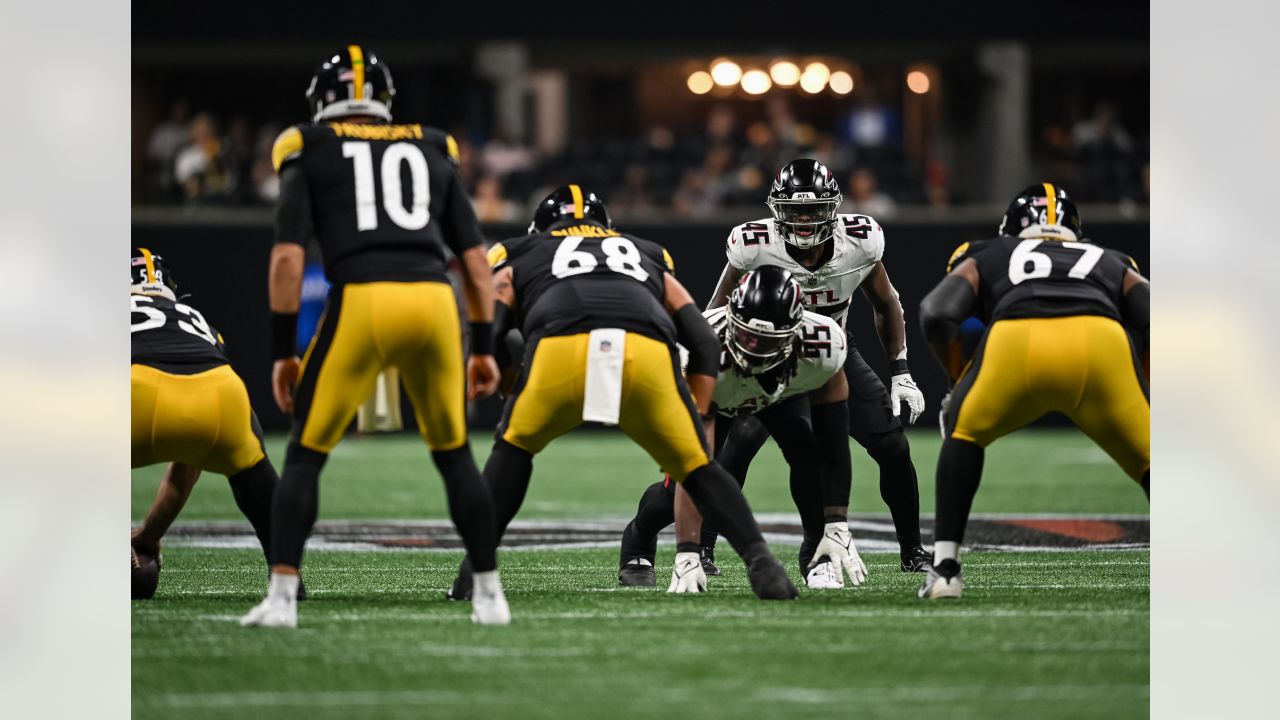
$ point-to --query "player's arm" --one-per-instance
(462, 232)
(891, 326)
(693, 332)
(942, 312)
(503, 323)
(171, 496)
(728, 281)
(293, 229)
(1136, 310)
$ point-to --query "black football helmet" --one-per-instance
(352, 81)
(805, 199)
(569, 202)
(149, 275)
(765, 312)
(1042, 210)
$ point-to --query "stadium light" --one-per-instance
(918, 82)
(756, 82)
(700, 82)
(785, 73)
(841, 82)
(725, 72)
(814, 78)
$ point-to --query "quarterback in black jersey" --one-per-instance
(1068, 327)
(384, 203)
(601, 312)
(188, 408)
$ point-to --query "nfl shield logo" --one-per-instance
(605, 346)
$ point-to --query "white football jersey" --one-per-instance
(859, 245)
(822, 354)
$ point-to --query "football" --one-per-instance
(146, 574)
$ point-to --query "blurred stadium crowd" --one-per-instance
(206, 156)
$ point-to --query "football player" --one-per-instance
(189, 408)
(773, 353)
(832, 256)
(384, 201)
(1054, 304)
(601, 313)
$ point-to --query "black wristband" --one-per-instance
(284, 335)
(481, 338)
(692, 547)
(898, 367)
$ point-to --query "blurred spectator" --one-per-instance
(863, 198)
(1104, 151)
(199, 167)
(633, 198)
(489, 203)
(166, 139)
(501, 157)
(937, 185)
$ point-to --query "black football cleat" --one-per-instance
(769, 579)
(461, 588)
(916, 559)
(943, 581)
(709, 567)
(636, 572)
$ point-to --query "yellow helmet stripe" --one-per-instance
(577, 201)
(151, 264)
(1051, 214)
(357, 69)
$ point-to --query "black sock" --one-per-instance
(899, 487)
(831, 432)
(469, 505)
(295, 504)
(959, 472)
(738, 440)
(721, 502)
(656, 511)
(253, 490)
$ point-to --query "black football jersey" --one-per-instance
(172, 336)
(584, 277)
(385, 199)
(1033, 277)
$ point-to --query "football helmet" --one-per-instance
(569, 202)
(765, 313)
(1042, 210)
(804, 200)
(149, 275)
(352, 81)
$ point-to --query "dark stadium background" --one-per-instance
(1007, 106)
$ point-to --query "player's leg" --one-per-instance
(658, 413)
(875, 426)
(790, 426)
(639, 549)
(737, 440)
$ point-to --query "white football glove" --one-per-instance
(902, 387)
(837, 544)
(687, 575)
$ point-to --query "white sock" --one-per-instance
(283, 587)
(487, 583)
(944, 550)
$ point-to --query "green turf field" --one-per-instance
(1055, 635)
(599, 473)
(1046, 635)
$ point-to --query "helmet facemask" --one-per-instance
(756, 346)
(805, 222)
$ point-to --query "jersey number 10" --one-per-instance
(1041, 264)
(411, 217)
(620, 256)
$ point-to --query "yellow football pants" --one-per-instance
(657, 411)
(367, 327)
(202, 420)
(1081, 366)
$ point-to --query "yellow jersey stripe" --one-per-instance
(955, 255)
(287, 146)
(451, 147)
(357, 70)
(577, 201)
(151, 264)
(497, 255)
(1051, 215)
(671, 264)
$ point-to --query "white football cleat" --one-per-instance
(944, 581)
(837, 546)
(488, 603)
(687, 575)
(824, 576)
(273, 612)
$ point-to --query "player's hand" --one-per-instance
(284, 375)
(837, 544)
(482, 376)
(945, 405)
(902, 387)
(687, 575)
